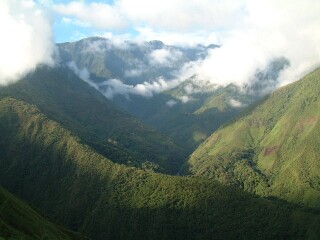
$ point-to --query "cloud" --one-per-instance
(82, 74)
(113, 87)
(177, 38)
(164, 57)
(76, 22)
(133, 73)
(26, 39)
(185, 98)
(271, 29)
(178, 15)
(171, 103)
(182, 15)
(251, 34)
(95, 14)
(235, 103)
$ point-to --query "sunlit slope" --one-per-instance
(87, 113)
(51, 168)
(19, 221)
(274, 150)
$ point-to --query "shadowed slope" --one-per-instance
(83, 110)
(49, 167)
(19, 221)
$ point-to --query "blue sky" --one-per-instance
(64, 32)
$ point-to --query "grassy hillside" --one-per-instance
(18, 221)
(52, 169)
(87, 113)
(274, 150)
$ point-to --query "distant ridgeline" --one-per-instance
(188, 111)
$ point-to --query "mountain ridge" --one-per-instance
(80, 188)
(86, 112)
(272, 150)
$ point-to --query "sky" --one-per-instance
(174, 22)
(251, 33)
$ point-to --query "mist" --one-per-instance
(270, 29)
(26, 39)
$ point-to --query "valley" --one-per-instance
(159, 120)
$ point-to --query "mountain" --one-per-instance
(130, 62)
(189, 118)
(141, 78)
(273, 150)
(70, 182)
(77, 106)
(19, 221)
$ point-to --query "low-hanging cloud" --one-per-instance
(164, 57)
(272, 29)
(113, 87)
(82, 74)
(26, 39)
(251, 33)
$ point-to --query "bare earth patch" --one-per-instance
(270, 150)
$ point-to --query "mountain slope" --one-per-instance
(51, 168)
(129, 61)
(142, 78)
(19, 221)
(78, 107)
(192, 121)
(273, 151)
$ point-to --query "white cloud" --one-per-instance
(235, 103)
(113, 87)
(133, 73)
(99, 15)
(182, 15)
(185, 99)
(272, 29)
(76, 22)
(99, 46)
(171, 103)
(251, 33)
(26, 39)
(82, 74)
(178, 15)
(164, 57)
(117, 40)
(177, 38)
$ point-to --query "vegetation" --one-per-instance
(54, 170)
(192, 122)
(273, 150)
(197, 108)
(87, 113)
(20, 222)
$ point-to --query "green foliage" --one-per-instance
(19, 221)
(71, 183)
(282, 135)
(187, 123)
(87, 113)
